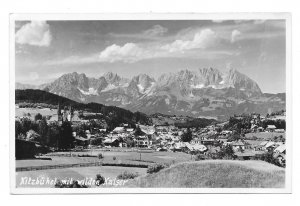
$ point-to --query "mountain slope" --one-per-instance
(200, 93)
(113, 114)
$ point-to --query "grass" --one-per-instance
(111, 169)
(121, 157)
(33, 111)
(215, 174)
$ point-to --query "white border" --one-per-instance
(153, 16)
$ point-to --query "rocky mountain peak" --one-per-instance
(111, 77)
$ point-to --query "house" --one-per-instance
(196, 147)
(119, 130)
(271, 145)
(271, 128)
(254, 128)
(142, 141)
(280, 130)
(81, 141)
(238, 145)
(280, 149)
(261, 146)
(129, 130)
(149, 130)
(226, 132)
(207, 142)
(260, 129)
(113, 142)
(178, 146)
(248, 155)
(102, 130)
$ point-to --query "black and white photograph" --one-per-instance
(161, 103)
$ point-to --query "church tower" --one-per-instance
(59, 115)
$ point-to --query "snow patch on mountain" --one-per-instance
(167, 101)
(141, 88)
(109, 87)
(91, 91)
(198, 86)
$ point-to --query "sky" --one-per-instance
(45, 50)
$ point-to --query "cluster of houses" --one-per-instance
(168, 137)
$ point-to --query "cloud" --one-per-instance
(130, 52)
(201, 40)
(234, 35)
(35, 33)
(156, 30)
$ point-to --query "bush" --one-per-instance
(226, 152)
(100, 156)
(156, 168)
(74, 184)
(200, 157)
(127, 175)
(114, 158)
(99, 180)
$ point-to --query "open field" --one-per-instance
(80, 173)
(183, 173)
(265, 135)
(132, 157)
(216, 174)
(74, 173)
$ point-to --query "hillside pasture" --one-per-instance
(20, 112)
(215, 174)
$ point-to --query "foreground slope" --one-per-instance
(216, 174)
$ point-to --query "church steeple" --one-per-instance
(59, 115)
(58, 109)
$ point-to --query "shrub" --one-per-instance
(226, 152)
(74, 184)
(200, 157)
(156, 168)
(114, 158)
(100, 156)
(99, 180)
(127, 175)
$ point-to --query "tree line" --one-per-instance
(49, 135)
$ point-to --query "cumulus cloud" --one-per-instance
(129, 52)
(201, 40)
(234, 35)
(156, 30)
(35, 33)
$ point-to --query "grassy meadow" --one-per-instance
(215, 174)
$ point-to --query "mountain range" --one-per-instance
(204, 92)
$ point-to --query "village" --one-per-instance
(252, 142)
